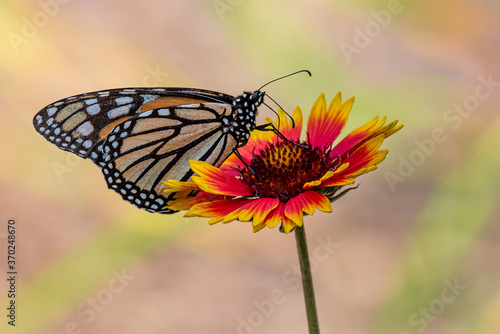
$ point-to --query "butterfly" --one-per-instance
(142, 136)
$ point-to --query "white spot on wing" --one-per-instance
(124, 100)
(90, 101)
(127, 91)
(93, 109)
(85, 129)
(149, 97)
(146, 113)
(120, 111)
(164, 112)
(51, 111)
(87, 144)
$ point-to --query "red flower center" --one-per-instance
(282, 169)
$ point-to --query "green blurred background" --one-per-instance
(414, 250)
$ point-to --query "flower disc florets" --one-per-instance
(281, 169)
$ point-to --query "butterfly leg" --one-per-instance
(265, 127)
(242, 160)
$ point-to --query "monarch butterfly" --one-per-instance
(141, 136)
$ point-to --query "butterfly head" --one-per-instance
(250, 99)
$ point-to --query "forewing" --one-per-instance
(80, 124)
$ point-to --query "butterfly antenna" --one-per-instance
(286, 76)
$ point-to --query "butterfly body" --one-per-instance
(142, 136)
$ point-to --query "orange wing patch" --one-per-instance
(103, 134)
(169, 101)
(159, 102)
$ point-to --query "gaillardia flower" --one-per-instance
(287, 178)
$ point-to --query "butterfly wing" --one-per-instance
(80, 124)
(157, 145)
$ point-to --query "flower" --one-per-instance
(287, 177)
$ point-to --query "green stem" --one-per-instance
(305, 269)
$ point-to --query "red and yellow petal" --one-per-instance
(357, 136)
(388, 130)
(324, 126)
(257, 209)
(276, 215)
(337, 181)
(365, 156)
(330, 177)
(287, 224)
(216, 181)
(371, 164)
(257, 228)
(175, 186)
(184, 201)
(217, 210)
(364, 133)
(307, 202)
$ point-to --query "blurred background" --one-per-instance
(414, 250)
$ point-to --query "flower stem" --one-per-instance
(305, 270)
